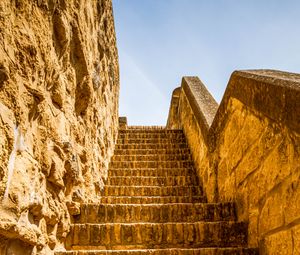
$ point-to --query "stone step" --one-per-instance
(151, 141)
(152, 135)
(146, 128)
(151, 191)
(156, 213)
(151, 164)
(143, 130)
(157, 235)
(150, 199)
(150, 146)
(152, 204)
(151, 152)
(168, 172)
(172, 251)
(152, 181)
(154, 157)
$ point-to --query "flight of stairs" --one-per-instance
(152, 203)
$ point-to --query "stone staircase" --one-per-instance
(153, 204)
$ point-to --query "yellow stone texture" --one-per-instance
(252, 152)
(59, 87)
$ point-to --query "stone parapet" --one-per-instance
(173, 122)
(247, 150)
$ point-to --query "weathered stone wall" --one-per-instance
(251, 153)
(173, 120)
(59, 86)
(195, 112)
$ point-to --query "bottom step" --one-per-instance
(201, 251)
(120, 236)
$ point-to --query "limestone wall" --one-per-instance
(173, 120)
(250, 152)
(59, 86)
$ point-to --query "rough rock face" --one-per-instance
(59, 86)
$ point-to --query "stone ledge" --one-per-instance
(275, 94)
(203, 104)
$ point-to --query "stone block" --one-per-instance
(290, 197)
(272, 214)
(296, 239)
(280, 243)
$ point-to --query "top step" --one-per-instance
(146, 127)
(144, 135)
(149, 130)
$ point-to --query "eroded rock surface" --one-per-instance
(59, 85)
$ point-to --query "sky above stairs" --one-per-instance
(160, 41)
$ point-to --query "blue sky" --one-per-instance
(159, 41)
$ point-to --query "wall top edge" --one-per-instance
(273, 93)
